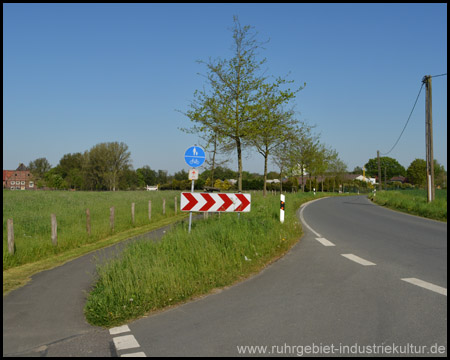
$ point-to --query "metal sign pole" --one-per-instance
(195, 157)
(190, 212)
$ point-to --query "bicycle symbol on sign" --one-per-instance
(194, 162)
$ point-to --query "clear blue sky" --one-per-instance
(75, 75)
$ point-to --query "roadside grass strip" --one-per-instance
(414, 202)
(218, 252)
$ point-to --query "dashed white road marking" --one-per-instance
(427, 285)
(119, 330)
(358, 259)
(325, 242)
(125, 342)
(138, 354)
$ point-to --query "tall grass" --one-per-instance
(219, 251)
(31, 210)
(414, 202)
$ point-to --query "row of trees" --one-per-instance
(107, 166)
(415, 173)
(103, 167)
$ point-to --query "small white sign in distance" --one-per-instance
(193, 174)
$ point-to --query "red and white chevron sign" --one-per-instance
(215, 202)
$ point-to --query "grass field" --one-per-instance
(414, 202)
(31, 213)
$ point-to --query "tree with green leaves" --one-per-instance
(281, 157)
(146, 176)
(39, 168)
(322, 162)
(104, 163)
(228, 109)
(337, 168)
(71, 166)
(273, 124)
(392, 166)
(303, 150)
(417, 173)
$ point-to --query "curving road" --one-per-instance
(363, 280)
(350, 292)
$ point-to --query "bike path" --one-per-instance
(45, 317)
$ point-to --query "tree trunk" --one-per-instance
(213, 160)
(265, 174)
(281, 181)
(239, 153)
(303, 181)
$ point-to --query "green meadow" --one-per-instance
(31, 213)
(414, 202)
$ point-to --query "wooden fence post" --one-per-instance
(149, 210)
(111, 218)
(54, 230)
(132, 213)
(88, 222)
(10, 236)
(164, 206)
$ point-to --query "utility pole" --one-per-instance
(379, 170)
(429, 139)
(385, 179)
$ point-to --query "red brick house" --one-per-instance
(19, 179)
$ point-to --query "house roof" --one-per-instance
(22, 167)
(7, 174)
(398, 178)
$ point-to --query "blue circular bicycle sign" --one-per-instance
(194, 156)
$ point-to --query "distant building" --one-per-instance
(366, 179)
(19, 179)
(400, 179)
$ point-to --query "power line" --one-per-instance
(407, 120)
(438, 75)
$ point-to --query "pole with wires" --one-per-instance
(429, 139)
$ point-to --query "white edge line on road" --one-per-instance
(125, 342)
(358, 259)
(325, 242)
(427, 285)
(119, 330)
(303, 219)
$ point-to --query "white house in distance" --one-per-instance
(366, 179)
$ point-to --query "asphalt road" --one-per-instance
(317, 300)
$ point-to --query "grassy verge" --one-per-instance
(218, 252)
(414, 202)
(18, 276)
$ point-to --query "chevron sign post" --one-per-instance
(206, 202)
